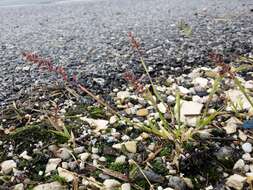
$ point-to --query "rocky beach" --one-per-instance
(123, 94)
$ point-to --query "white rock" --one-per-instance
(201, 82)
(131, 146)
(239, 165)
(171, 99)
(25, 156)
(237, 98)
(102, 159)
(242, 135)
(99, 124)
(84, 156)
(120, 159)
(111, 184)
(161, 107)
(67, 175)
(52, 164)
(231, 125)
(236, 181)
(113, 119)
(50, 186)
(183, 90)
(126, 186)
(63, 153)
(19, 187)
(7, 166)
(94, 150)
(247, 147)
(122, 95)
(117, 146)
(189, 112)
(247, 157)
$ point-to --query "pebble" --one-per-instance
(161, 107)
(7, 166)
(111, 184)
(236, 181)
(142, 112)
(176, 183)
(239, 165)
(25, 156)
(63, 153)
(67, 175)
(247, 147)
(79, 149)
(190, 108)
(52, 164)
(242, 135)
(131, 146)
(122, 95)
(19, 186)
(126, 186)
(120, 159)
(50, 186)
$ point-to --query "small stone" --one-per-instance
(102, 159)
(99, 124)
(50, 186)
(161, 107)
(237, 98)
(117, 146)
(122, 95)
(84, 156)
(201, 82)
(111, 184)
(113, 119)
(188, 182)
(94, 150)
(247, 157)
(183, 90)
(7, 166)
(232, 124)
(126, 186)
(188, 110)
(25, 156)
(67, 175)
(131, 146)
(247, 147)
(242, 135)
(120, 159)
(177, 183)
(63, 153)
(19, 187)
(79, 149)
(239, 165)
(142, 112)
(171, 99)
(236, 181)
(52, 164)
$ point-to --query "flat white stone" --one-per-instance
(203, 82)
(238, 99)
(7, 166)
(189, 112)
(50, 186)
(131, 146)
(236, 181)
(247, 147)
(52, 164)
(67, 175)
(111, 184)
(99, 124)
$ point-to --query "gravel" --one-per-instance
(89, 38)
